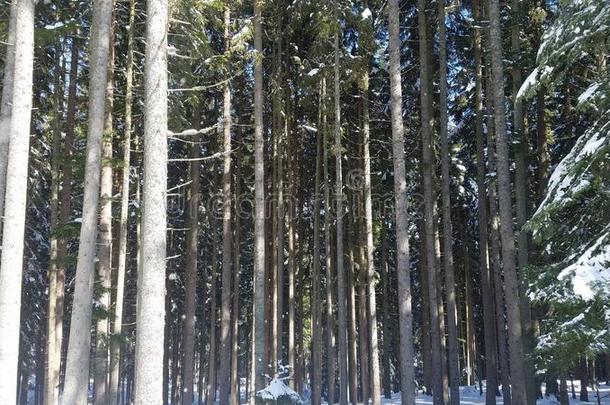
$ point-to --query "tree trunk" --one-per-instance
(517, 366)
(151, 286)
(489, 329)
(292, 240)
(212, 359)
(400, 195)
(192, 249)
(104, 251)
(351, 311)
(452, 334)
(365, 381)
(316, 311)
(235, 393)
(77, 363)
(429, 217)
(584, 379)
(370, 248)
(52, 354)
(259, 203)
(115, 353)
(6, 103)
(330, 322)
(385, 306)
(225, 311)
(341, 284)
(542, 145)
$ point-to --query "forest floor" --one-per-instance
(471, 396)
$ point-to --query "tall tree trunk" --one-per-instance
(235, 390)
(517, 366)
(192, 249)
(341, 284)
(489, 329)
(104, 251)
(6, 103)
(363, 333)
(542, 145)
(225, 321)
(429, 195)
(330, 322)
(407, 372)
(316, 308)
(452, 333)
(212, 359)
(115, 349)
(52, 354)
(292, 240)
(65, 197)
(259, 203)
(370, 248)
(351, 311)
(77, 363)
(385, 307)
(151, 286)
(280, 218)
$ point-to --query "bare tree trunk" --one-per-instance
(192, 249)
(363, 332)
(151, 286)
(330, 322)
(407, 372)
(77, 363)
(351, 311)
(115, 350)
(212, 359)
(259, 220)
(370, 248)
(429, 217)
(6, 104)
(489, 329)
(104, 251)
(385, 306)
(316, 308)
(341, 284)
(50, 395)
(225, 311)
(235, 392)
(511, 282)
(452, 334)
(292, 240)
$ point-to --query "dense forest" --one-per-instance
(305, 201)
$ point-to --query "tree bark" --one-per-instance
(452, 333)
(489, 329)
(225, 311)
(235, 393)
(385, 307)
(341, 284)
(115, 350)
(6, 103)
(517, 366)
(212, 359)
(151, 286)
(259, 219)
(407, 371)
(77, 363)
(365, 381)
(104, 250)
(316, 311)
(429, 196)
(351, 309)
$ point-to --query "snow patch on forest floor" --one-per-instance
(471, 396)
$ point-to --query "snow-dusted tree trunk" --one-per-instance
(150, 317)
(402, 224)
(11, 267)
(115, 349)
(259, 206)
(517, 366)
(225, 307)
(6, 104)
(452, 332)
(341, 284)
(77, 363)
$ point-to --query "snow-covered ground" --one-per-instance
(471, 396)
